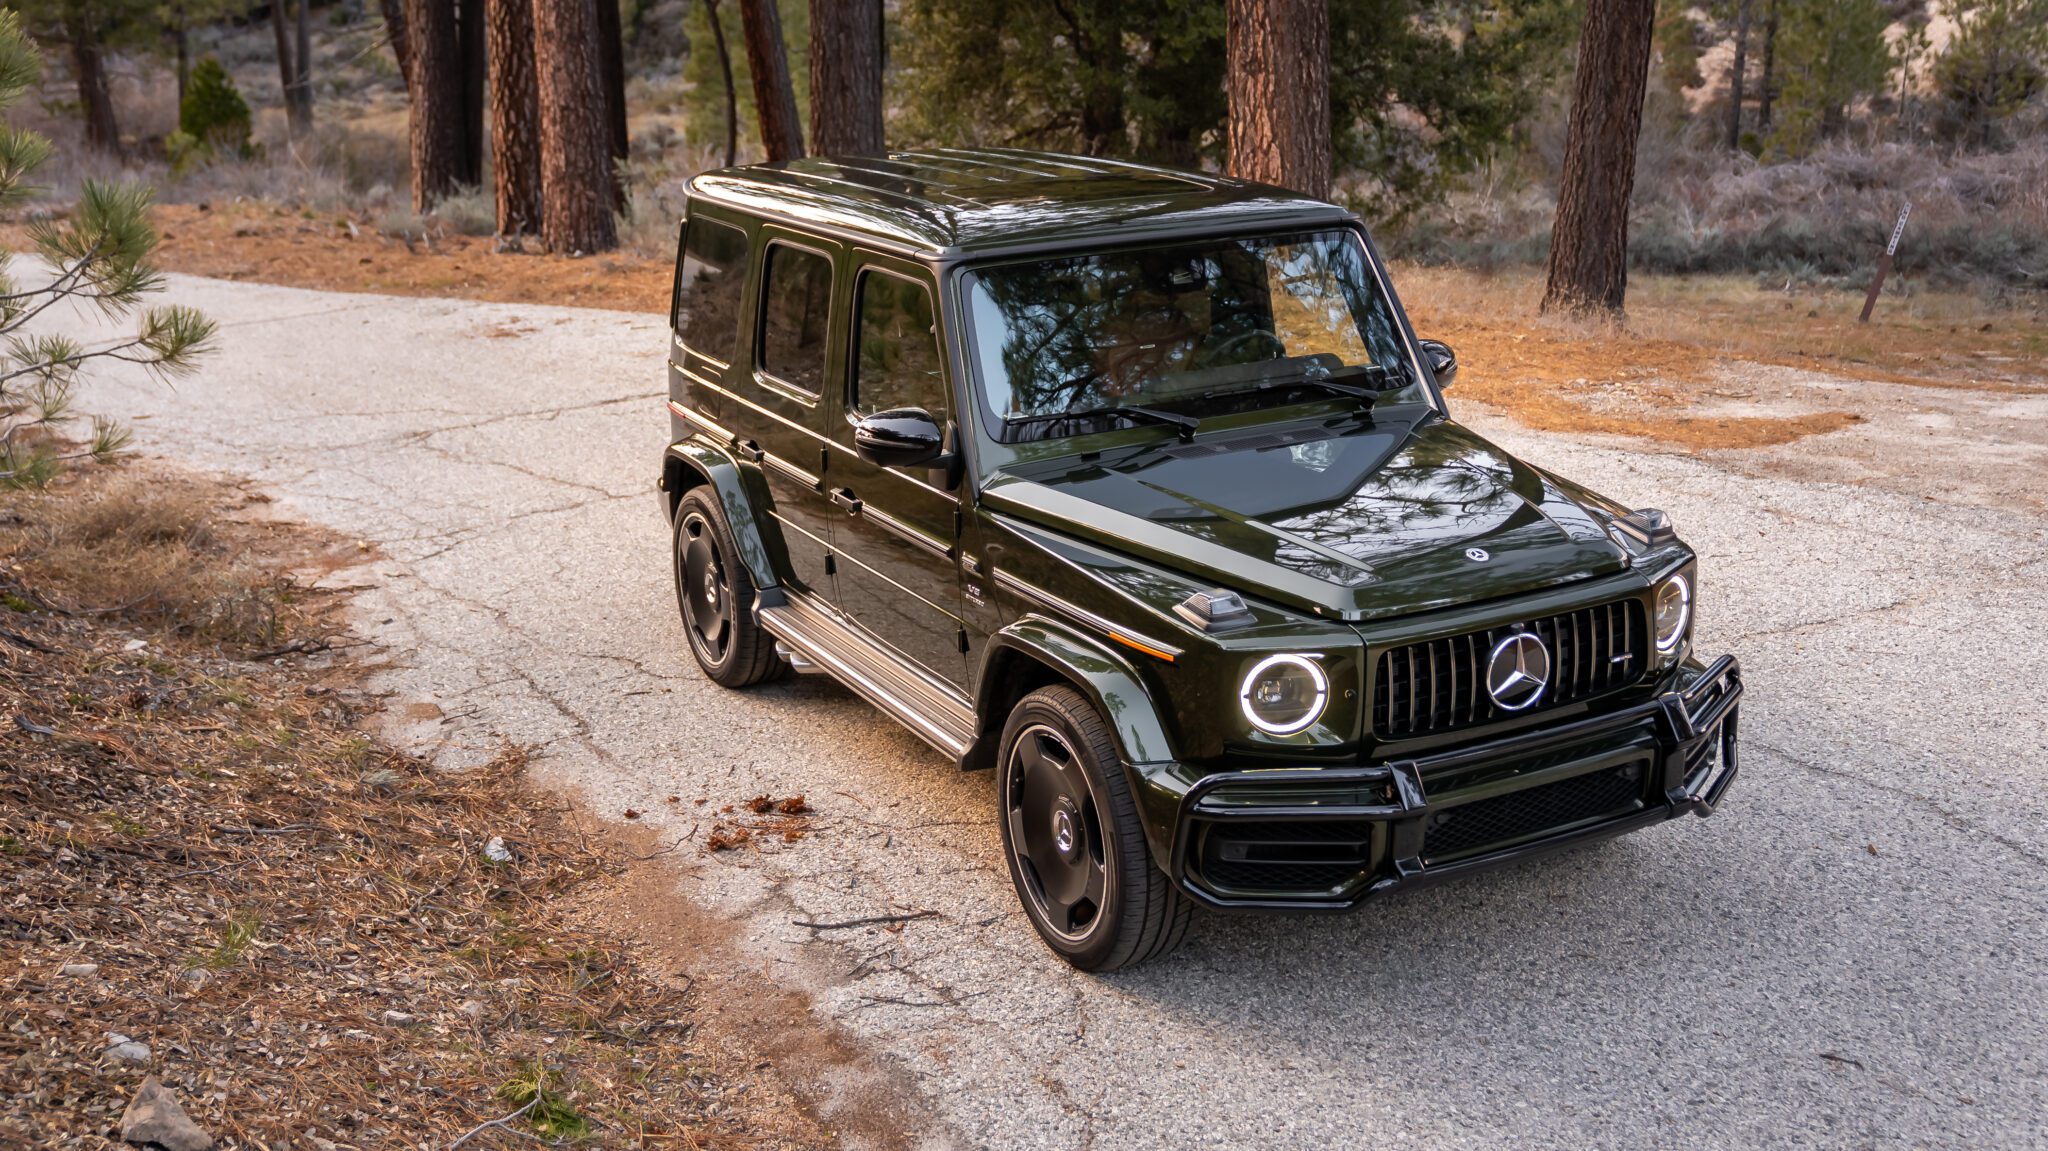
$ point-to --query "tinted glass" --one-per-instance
(1212, 325)
(708, 280)
(898, 364)
(795, 307)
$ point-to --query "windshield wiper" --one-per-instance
(1184, 426)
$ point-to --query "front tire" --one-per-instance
(715, 596)
(1076, 847)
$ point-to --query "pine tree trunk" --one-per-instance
(611, 72)
(732, 122)
(846, 77)
(1736, 74)
(302, 67)
(515, 117)
(1765, 91)
(1589, 243)
(181, 39)
(470, 42)
(89, 68)
(394, 34)
(774, 99)
(436, 86)
(287, 72)
(575, 153)
(1278, 82)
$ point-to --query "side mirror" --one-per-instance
(900, 438)
(1443, 362)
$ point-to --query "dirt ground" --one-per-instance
(1663, 376)
(215, 879)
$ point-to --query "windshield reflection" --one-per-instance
(1195, 326)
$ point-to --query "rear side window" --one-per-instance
(796, 305)
(898, 354)
(708, 279)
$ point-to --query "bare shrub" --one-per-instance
(1979, 220)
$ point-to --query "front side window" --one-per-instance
(1209, 326)
(796, 306)
(708, 279)
(896, 351)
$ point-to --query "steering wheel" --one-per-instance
(1218, 354)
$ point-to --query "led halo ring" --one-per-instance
(1315, 711)
(1670, 643)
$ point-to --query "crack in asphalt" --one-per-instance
(1954, 820)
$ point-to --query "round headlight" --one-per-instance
(1674, 609)
(1283, 694)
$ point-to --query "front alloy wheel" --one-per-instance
(1076, 849)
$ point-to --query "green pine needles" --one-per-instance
(98, 256)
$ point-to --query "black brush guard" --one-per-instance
(1685, 739)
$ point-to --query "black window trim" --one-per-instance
(852, 389)
(794, 391)
(675, 310)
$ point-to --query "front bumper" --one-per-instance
(1329, 838)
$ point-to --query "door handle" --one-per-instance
(845, 498)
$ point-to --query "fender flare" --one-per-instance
(693, 462)
(1109, 682)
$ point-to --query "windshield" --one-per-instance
(1198, 328)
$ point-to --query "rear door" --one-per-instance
(898, 574)
(791, 421)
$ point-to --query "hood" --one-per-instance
(1353, 522)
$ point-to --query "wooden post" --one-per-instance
(1884, 264)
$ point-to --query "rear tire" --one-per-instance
(715, 595)
(1075, 844)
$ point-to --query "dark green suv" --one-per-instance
(1135, 486)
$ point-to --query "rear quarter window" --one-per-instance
(710, 272)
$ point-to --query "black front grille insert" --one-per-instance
(1468, 827)
(1275, 857)
(1439, 685)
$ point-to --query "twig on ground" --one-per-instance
(296, 647)
(659, 852)
(24, 641)
(502, 1121)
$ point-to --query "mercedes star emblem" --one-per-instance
(1477, 555)
(1518, 671)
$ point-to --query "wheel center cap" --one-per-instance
(711, 589)
(1063, 836)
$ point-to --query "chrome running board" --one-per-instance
(934, 711)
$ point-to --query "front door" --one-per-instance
(898, 575)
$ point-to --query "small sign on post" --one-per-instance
(1884, 265)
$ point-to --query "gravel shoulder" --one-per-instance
(1854, 952)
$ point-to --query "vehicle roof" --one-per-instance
(945, 203)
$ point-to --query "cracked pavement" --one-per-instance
(1853, 953)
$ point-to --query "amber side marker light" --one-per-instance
(1141, 645)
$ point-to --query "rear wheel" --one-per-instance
(1076, 848)
(715, 595)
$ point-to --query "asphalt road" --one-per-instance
(1854, 953)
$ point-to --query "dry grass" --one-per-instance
(306, 929)
(141, 548)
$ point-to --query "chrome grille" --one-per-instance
(1439, 685)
